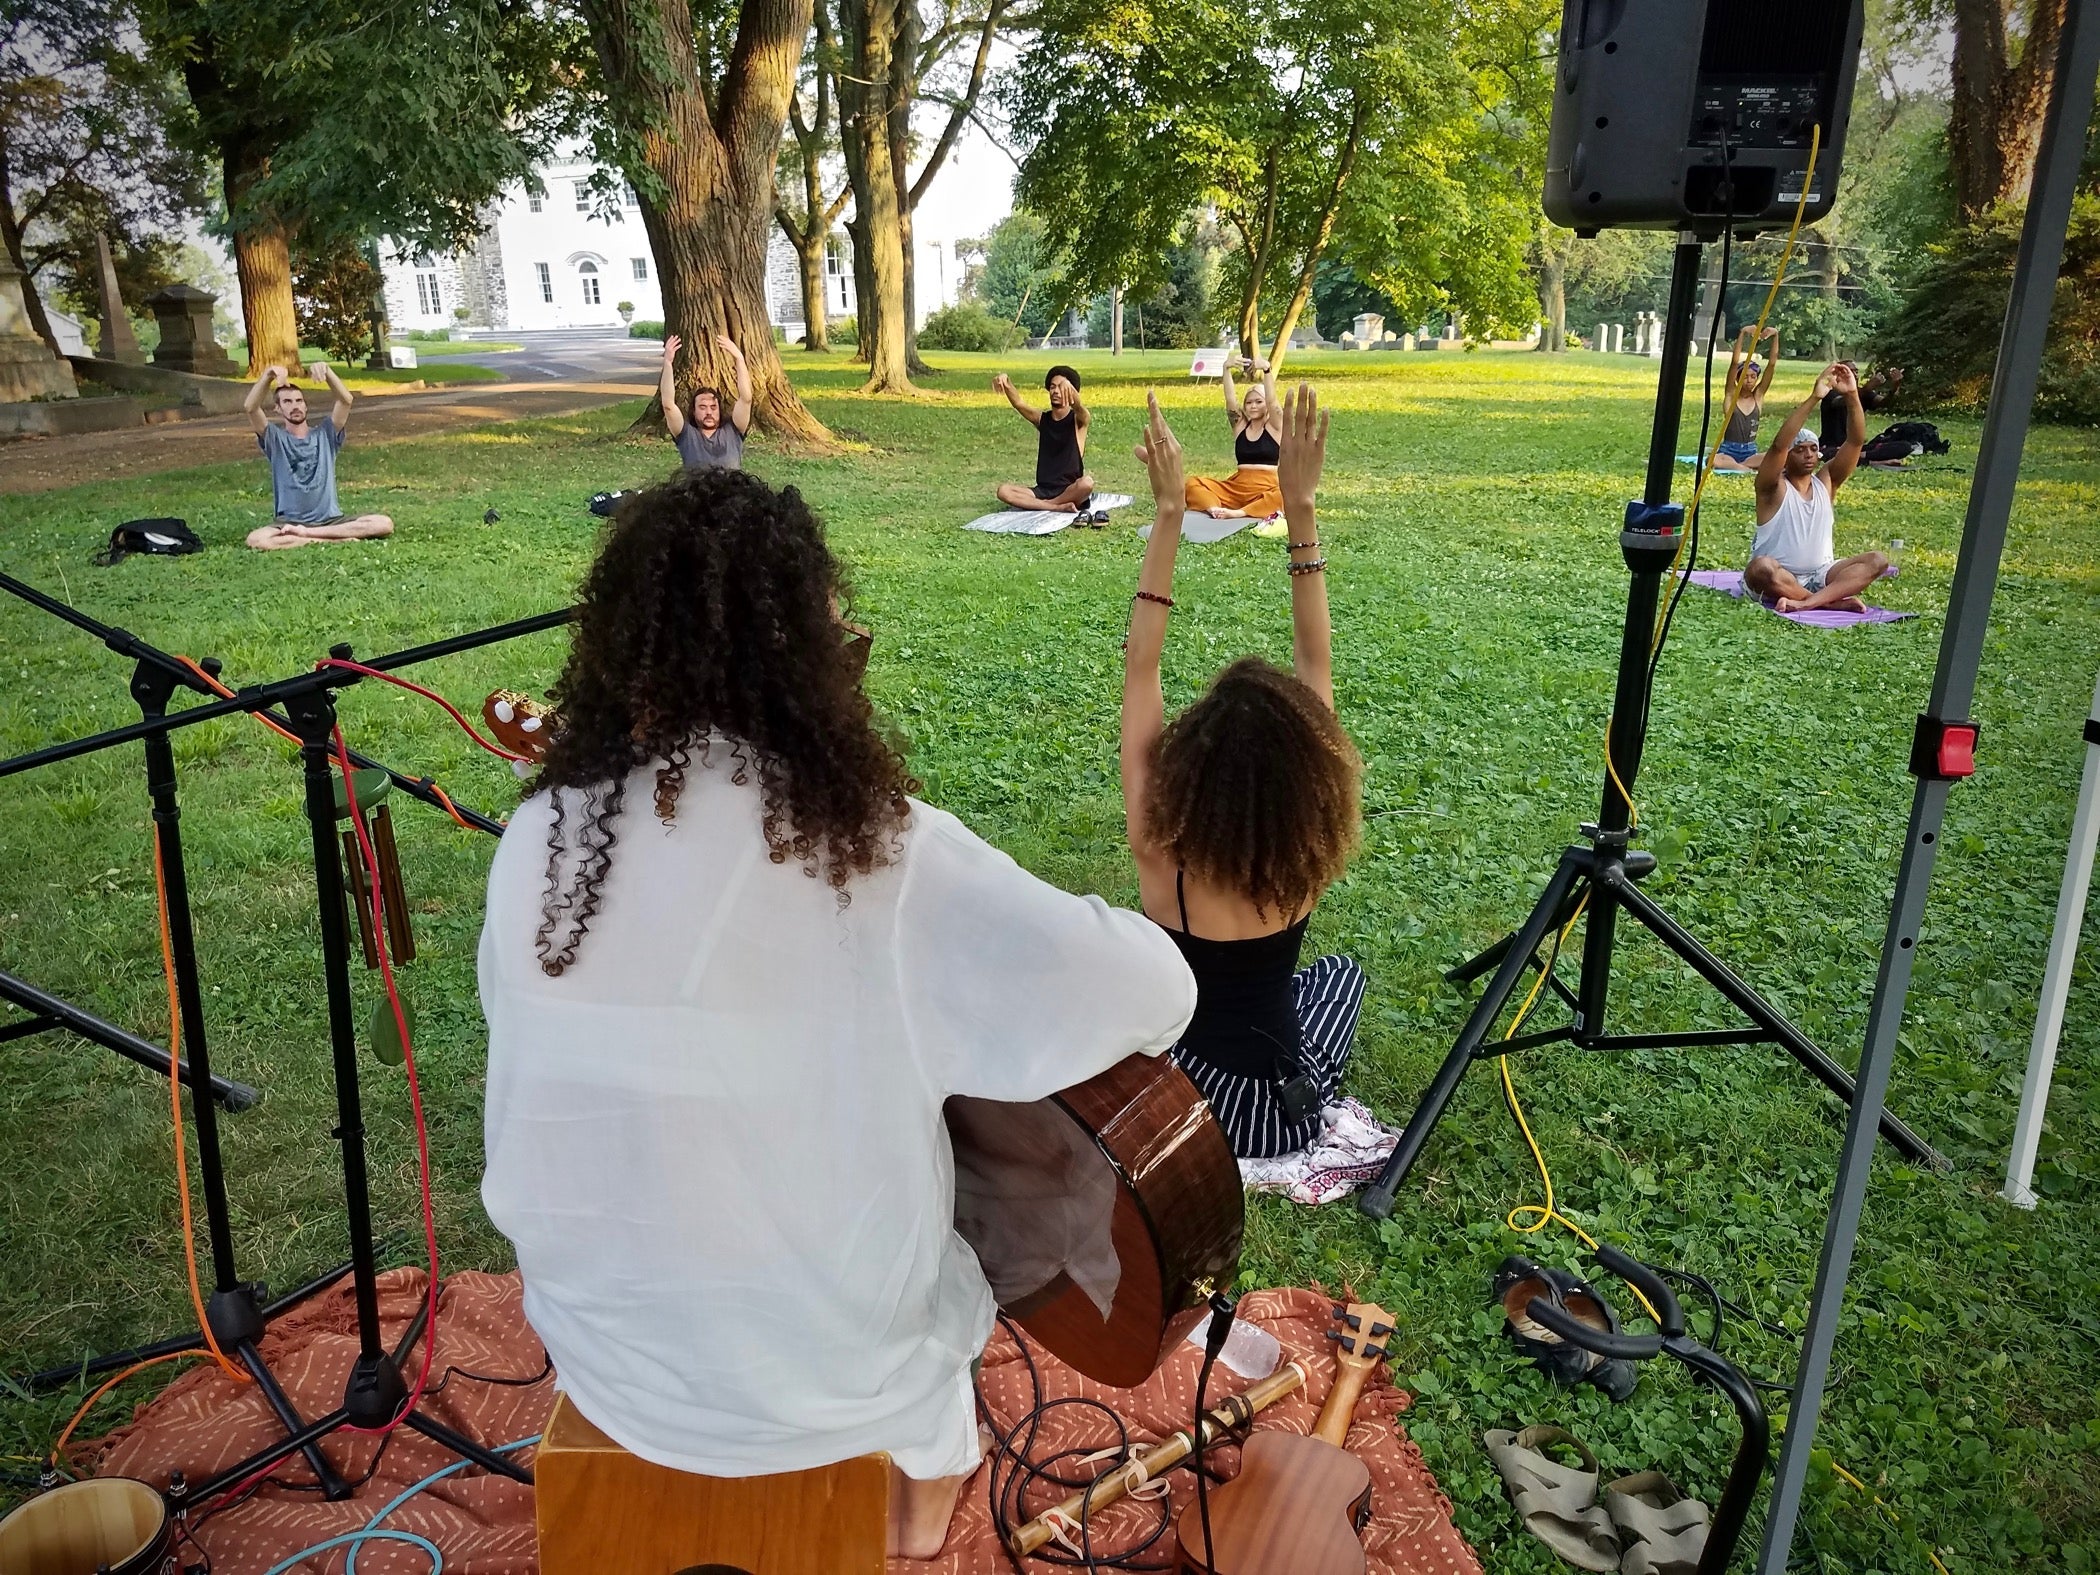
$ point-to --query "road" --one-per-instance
(557, 374)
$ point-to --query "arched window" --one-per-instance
(587, 275)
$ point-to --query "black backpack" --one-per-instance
(1923, 433)
(169, 538)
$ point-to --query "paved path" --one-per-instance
(41, 464)
(567, 355)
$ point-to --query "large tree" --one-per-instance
(695, 105)
(806, 215)
(2004, 59)
(86, 150)
(361, 118)
(1304, 125)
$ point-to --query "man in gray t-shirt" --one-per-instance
(706, 439)
(302, 466)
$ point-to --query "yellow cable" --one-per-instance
(1706, 461)
(1882, 1504)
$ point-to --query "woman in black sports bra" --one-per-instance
(1251, 491)
(1242, 810)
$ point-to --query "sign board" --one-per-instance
(1208, 363)
(403, 356)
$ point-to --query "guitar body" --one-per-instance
(1294, 1509)
(1298, 1503)
(1103, 1216)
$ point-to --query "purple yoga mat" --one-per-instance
(1731, 581)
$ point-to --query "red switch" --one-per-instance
(1958, 750)
(1943, 751)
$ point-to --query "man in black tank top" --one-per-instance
(1061, 482)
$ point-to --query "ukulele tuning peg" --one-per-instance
(1353, 1321)
(1335, 1335)
(1380, 1330)
(1338, 1310)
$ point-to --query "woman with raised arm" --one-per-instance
(1748, 383)
(1251, 491)
(1242, 810)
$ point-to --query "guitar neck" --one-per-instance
(1340, 1408)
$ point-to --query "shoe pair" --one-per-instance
(1518, 1282)
(1093, 519)
(1645, 1526)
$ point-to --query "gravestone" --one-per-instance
(187, 343)
(1369, 328)
(28, 369)
(1602, 342)
(1640, 333)
(1618, 338)
(115, 341)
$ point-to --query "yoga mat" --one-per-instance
(1197, 526)
(1693, 459)
(1730, 581)
(1042, 522)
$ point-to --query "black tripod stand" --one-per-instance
(1599, 874)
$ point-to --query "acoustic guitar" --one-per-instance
(1298, 1504)
(1103, 1216)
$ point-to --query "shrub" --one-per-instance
(332, 294)
(845, 330)
(643, 328)
(1945, 333)
(964, 326)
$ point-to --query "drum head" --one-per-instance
(116, 1523)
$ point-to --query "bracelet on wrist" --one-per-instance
(1312, 567)
(1301, 546)
(1157, 601)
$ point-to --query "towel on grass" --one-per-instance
(1351, 1149)
(1043, 522)
(1731, 581)
(1199, 527)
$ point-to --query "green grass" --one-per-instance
(438, 350)
(1470, 516)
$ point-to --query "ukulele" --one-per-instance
(520, 724)
(1297, 1505)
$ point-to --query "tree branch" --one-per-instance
(962, 111)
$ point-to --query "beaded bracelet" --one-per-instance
(1313, 567)
(1147, 596)
(1297, 546)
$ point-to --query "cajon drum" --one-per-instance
(603, 1511)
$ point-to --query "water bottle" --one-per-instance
(1895, 557)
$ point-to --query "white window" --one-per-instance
(546, 282)
(627, 196)
(641, 267)
(532, 201)
(427, 297)
(587, 273)
(583, 196)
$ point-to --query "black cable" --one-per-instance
(1223, 1310)
(1022, 1471)
(546, 1370)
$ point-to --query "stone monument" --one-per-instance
(187, 343)
(115, 341)
(1369, 328)
(28, 369)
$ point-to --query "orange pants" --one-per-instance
(1249, 489)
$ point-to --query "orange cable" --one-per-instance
(182, 1167)
(87, 1405)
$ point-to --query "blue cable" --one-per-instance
(437, 1559)
(371, 1533)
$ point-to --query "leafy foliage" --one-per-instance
(964, 326)
(1945, 335)
(1179, 313)
(1020, 276)
(333, 291)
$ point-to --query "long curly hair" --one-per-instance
(711, 620)
(1257, 789)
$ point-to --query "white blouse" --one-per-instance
(716, 1139)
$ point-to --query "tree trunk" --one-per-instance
(1345, 165)
(862, 287)
(1828, 273)
(1553, 296)
(869, 29)
(904, 92)
(816, 306)
(11, 239)
(706, 183)
(262, 260)
(1994, 124)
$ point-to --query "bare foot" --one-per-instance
(920, 1512)
(1787, 604)
(1226, 514)
(1852, 604)
(1062, 508)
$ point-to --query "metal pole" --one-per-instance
(1953, 686)
(2056, 978)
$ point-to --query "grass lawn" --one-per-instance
(1470, 516)
(438, 350)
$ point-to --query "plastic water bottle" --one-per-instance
(1895, 557)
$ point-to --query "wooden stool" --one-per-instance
(603, 1511)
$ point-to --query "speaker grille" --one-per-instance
(1795, 38)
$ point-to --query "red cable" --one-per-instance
(408, 1055)
(428, 694)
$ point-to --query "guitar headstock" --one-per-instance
(519, 723)
(1361, 1340)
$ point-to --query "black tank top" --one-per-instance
(1057, 461)
(1264, 450)
(1246, 1021)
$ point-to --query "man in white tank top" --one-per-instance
(1793, 557)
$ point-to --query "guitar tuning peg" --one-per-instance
(1353, 1321)
(1338, 1309)
(1380, 1330)
(1334, 1335)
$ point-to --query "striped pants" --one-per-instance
(1330, 997)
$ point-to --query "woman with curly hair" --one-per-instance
(731, 971)
(1242, 810)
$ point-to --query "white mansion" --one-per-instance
(554, 261)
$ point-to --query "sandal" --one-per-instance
(1518, 1282)
(1664, 1532)
(1556, 1503)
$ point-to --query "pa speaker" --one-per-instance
(1690, 114)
